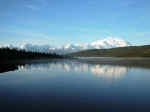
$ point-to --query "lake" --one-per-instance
(72, 85)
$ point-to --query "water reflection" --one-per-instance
(47, 85)
(108, 71)
(101, 71)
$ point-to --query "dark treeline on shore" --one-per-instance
(16, 54)
(10, 59)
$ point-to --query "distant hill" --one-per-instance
(131, 51)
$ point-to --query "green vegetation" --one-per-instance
(132, 51)
(16, 54)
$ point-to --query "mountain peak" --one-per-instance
(109, 42)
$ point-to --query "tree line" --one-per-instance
(14, 53)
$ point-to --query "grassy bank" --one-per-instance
(132, 51)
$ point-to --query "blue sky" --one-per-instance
(57, 22)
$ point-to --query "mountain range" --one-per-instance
(106, 43)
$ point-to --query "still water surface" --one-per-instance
(72, 86)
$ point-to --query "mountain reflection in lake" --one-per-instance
(102, 71)
(70, 85)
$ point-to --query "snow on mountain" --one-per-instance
(109, 43)
(36, 48)
(9, 46)
(68, 48)
(105, 43)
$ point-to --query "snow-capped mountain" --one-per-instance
(109, 43)
(100, 44)
(36, 48)
(68, 48)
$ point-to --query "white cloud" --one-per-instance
(35, 4)
(33, 7)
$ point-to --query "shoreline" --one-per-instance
(114, 61)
